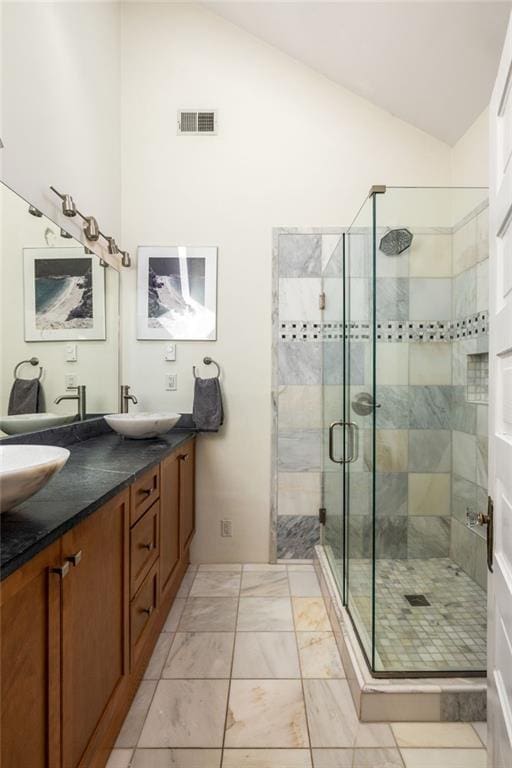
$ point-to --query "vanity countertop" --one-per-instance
(97, 469)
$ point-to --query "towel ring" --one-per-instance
(208, 361)
(32, 361)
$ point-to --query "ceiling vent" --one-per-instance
(197, 122)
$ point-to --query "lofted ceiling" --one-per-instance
(432, 64)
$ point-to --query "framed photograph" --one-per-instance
(177, 293)
(64, 295)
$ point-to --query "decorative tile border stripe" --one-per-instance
(470, 327)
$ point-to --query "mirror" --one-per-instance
(59, 323)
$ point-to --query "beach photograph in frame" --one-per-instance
(177, 293)
(64, 295)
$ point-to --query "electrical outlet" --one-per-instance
(226, 527)
(70, 353)
(171, 381)
(170, 352)
(70, 380)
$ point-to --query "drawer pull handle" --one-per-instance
(146, 491)
(75, 559)
(184, 456)
(150, 546)
(149, 610)
(61, 570)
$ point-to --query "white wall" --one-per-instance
(293, 148)
(60, 106)
(470, 155)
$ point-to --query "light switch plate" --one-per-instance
(170, 352)
(70, 380)
(171, 381)
(70, 352)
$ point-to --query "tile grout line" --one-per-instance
(300, 669)
(231, 673)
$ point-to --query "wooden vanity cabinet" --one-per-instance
(79, 621)
(94, 624)
(30, 663)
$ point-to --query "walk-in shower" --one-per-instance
(405, 433)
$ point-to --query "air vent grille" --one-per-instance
(204, 122)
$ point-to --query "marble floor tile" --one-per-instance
(176, 758)
(304, 584)
(119, 758)
(157, 661)
(381, 758)
(436, 735)
(310, 615)
(132, 726)
(233, 567)
(265, 584)
(209, 614)
(200, 655)
(264, 567)
(481, 729)
(186, 584)
(319, 655)
(333, 758)
(266, 758)
(265, 655)
(374, 735)
(266, 713)
(186, 713)
(260, 614)
(216, 584)
(308, 567)
(447, 758)
(331, 715)
(173, 619)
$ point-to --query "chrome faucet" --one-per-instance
(80, 397)
(125, 397)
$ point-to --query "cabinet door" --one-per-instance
(169, 519)
(187, 495)
(30, 664)
(94, 622)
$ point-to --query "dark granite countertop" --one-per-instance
(97, 469)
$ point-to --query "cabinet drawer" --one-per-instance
(144, 546)
(144, 492)
(143, 611)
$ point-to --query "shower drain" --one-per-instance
(417, 600)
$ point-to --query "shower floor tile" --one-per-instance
(448, 634)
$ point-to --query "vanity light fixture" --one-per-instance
(112, 246)
(34, 211)
(125, 259)
(91, 228)
(68, 204)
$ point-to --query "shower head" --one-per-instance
(396, 241)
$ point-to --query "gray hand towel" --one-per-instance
(26, 397)
(208, 411)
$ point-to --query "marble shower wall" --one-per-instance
(300, 257)
(469, 488)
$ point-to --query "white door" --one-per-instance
(500, 426)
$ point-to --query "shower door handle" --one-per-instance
(331, 442)
(353, 442)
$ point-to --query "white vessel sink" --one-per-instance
(30, 422)
(139, 426)
(24, 469)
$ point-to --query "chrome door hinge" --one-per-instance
(321, 300)
(322, 515)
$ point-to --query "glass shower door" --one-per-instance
(333, 407)
(359, 417)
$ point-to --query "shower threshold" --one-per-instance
(414, 698)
